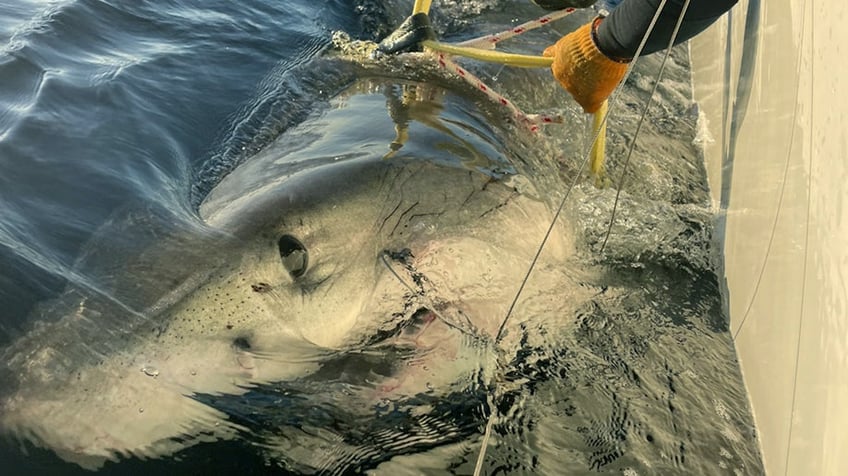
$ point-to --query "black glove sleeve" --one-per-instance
(620, 34)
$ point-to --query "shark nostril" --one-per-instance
(294, 255)
(260, 287)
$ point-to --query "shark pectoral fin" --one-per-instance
(88, 423)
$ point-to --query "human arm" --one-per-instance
(619, 35)
(590, 61)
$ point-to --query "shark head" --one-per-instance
(319, 248)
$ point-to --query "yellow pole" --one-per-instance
(511, 59)
(421, 6)
(596, 164)
(596, 160)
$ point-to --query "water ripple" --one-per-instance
(37, 24)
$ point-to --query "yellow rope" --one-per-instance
(421, 6)
(511, 59)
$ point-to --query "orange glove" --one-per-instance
(581, 68)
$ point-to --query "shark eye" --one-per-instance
(241, 343)
(294, 256)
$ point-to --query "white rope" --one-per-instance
(639, 124)
(490, 41)
(587, 154)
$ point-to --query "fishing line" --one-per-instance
(804, 268)
(779, 206)
(577, 175)
(639, 124)
(423, 6)
(432, 306)
(587, 156)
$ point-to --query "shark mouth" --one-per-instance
(426, 299)
(415, 386)
(409, 388)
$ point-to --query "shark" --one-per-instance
(308, 252)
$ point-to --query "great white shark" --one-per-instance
(310, 250)
(371, 280)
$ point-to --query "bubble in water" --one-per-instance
(721, 410)
(730, 435)
(150, 371)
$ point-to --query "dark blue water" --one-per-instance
(110, 108)
(110, 105)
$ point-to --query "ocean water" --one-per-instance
(108, 109)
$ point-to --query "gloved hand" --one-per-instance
(582, 69)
